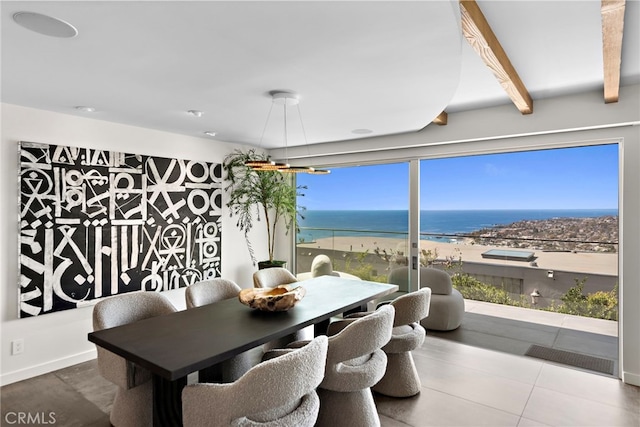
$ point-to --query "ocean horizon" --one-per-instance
(442, 225)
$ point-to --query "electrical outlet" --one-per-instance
(17, 346)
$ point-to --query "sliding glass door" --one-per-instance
(358, 217)
(535, 229)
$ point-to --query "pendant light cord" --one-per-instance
(286, 142)
(304, 132)
(266, 123)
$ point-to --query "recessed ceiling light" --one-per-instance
(195, 113)
(210, 133)
(85, 109)
(44, 24)
(361, 131)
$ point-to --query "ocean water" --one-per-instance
(441, 225)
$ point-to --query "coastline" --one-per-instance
(580, 262)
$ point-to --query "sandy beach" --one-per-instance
(582, 262)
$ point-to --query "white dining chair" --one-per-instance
(132, 405)
(208, 292)
(278, 392)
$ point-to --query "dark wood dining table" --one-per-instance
(175, 345)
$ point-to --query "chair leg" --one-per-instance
(349, 409)
(401, 378)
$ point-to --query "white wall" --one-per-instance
(57, 340)
(571, 120)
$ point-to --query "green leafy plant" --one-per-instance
(600, 304)
(257, 195)
(453, 262)
(428, 257)
(392, 256)
(474, 289)
(361, 267)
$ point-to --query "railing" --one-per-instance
(488, 240)
(344, 232)
(581, 268)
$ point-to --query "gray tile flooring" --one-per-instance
(72, 397)
(513, 330)
(463, 382)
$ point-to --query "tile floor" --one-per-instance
(513, 330)
(463, 384)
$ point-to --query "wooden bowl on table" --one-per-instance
(280, 298)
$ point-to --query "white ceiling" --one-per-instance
(390, 67)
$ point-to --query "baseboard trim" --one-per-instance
(629, 378)
(45, 368)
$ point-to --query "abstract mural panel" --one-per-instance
(95, 223)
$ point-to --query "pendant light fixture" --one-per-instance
(268, 164)
(285, 99)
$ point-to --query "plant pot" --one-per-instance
(270, 264)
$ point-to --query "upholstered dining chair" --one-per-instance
(133, 403)
(355, 362)
(322, 266)
(277, 392)
(401, 377)
(210, 291)
(270, 278)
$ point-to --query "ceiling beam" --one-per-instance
(478, 33)
(442, 118)
(612, 12)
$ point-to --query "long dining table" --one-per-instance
(174, 345)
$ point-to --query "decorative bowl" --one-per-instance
(280, 298)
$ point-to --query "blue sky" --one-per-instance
(568, 178)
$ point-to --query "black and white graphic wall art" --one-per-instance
(95, 223)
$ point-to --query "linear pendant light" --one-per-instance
(285, 99)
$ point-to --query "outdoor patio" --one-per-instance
(514, 329)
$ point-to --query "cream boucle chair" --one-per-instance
(208, 292)
(322, 266)
(401, 378)
(133, 404)
(446, 309)
(278, 392)
(355, 362)
(271, 277)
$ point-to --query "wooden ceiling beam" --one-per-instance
(478, 33)
(612, 12)
(442, 118)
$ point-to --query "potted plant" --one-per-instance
(256, 195)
